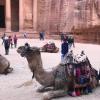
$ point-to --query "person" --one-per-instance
(62, 37)
(11, 41)
(6, 45)
(64, 49)
(42, 34)
(25, 35)
(3, 36)
(70, 41)
(15, 41)
(27, 46)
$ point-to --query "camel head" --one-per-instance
(26, 50)
(32, 54)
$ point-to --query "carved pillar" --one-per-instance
(49, 15)
(21, 15)
(8, 15)
(67, 15)
(34, 15)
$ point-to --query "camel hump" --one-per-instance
(60, 73)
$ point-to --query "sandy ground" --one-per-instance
(9, 89)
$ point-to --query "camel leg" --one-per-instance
(44, 89)
(54, 94)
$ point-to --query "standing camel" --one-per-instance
(47, 79)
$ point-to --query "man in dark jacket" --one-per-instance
(64, 49)
(6, 45)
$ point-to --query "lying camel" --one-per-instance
(49, 47)
(47, 79)
(5, 66)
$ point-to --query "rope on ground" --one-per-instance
(27, 83)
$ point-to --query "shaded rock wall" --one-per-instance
(87, 13)
(67, 15)
(28, 14)
(43, 15)
(2, 2)
(55, 15)
(62, 15)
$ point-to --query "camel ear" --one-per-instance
(27, 46)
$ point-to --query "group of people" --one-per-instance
(67, 43)
(9, 41)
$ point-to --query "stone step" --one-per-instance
(30, 35)
(78, 38)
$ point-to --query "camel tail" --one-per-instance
(99, 75)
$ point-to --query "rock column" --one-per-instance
(21, 15)
(8, 15)
(34, 15)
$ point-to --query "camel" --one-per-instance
(5, 66)
(47, 79)
(49, 47)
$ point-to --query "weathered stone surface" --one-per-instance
(55, 15)
(67, 15)
(28, 14)
(43, 15)
(52, 16)
(2, 2)
(63, 15)
(87, 13)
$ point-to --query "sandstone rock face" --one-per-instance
(87, 13)
(67, 15)
(2, 2)
(63, 15)
(53, 16)
(28, 11)
(43, 15)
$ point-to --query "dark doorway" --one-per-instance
(2, 16)
(15, 15)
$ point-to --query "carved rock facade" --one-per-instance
(51, 16)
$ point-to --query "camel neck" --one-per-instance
(35, 64)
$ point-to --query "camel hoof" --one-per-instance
(46, 96)
(10, 70)
(39, 90)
